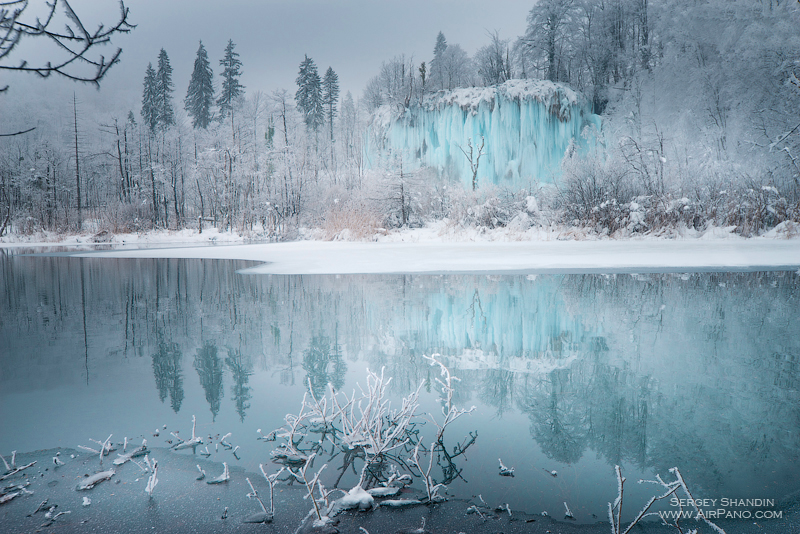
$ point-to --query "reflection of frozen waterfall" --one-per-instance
(482, 323)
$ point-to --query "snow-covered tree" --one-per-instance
(456, 69)
(330, 98)
(309, 95)
(200, 94)
(164, 88)
(548, 29)
(493, 61)
(150, 99)
(437, 79)
(231, 87)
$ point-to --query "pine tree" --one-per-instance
(330, 98)
(437, 63)
(149, 105)
(231, 88)
(200, 95)
(309, 94)
(164, 88)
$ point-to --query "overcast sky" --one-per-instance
(272, 36)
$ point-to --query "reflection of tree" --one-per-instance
(323, 364)
(168, 374)
(618, 406)
(557, 424)
(241, 371)
(497, 389)
(209, 369)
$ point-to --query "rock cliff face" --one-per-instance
(526, 127)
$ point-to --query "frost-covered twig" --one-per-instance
(105, 447)
(202, 474)
(269, 437)
(475, 510)
(301, 475)
(450, 412)
(16, 470)
(224, 477)
(431, 487)
(272, 480)
(700, 513)
(10, 493)
(669, 487)
(90, 482)
(193, 442)
(52, 518)
(153, 480)
(379, 430)
(568, 512)
(138, 451)
(505, 471)
(254, 494)
(321, 422)
(8, 467)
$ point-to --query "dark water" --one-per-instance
(574, 373)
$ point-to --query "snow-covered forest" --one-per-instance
(699, 106)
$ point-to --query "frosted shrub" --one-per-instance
(489, 208)
(595, 194)
(756, 208)
(351, 219)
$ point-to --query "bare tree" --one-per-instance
(493, 61)
(74, 42)
(547, 29)
(474, 159)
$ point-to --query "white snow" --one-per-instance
(357, 497)
(446, 248)
(438, 256)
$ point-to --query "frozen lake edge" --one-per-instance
(317, 257)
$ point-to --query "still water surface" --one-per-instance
(573, 373)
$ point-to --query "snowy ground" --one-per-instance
(439, 248)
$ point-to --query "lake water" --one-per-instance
(573, 373)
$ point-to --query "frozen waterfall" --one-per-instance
(527, 127)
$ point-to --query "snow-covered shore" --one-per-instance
(438, 250)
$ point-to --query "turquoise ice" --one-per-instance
(527, 128)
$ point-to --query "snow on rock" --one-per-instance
(527, 126)
(400, 503)
(390, 491)
(356, 498)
